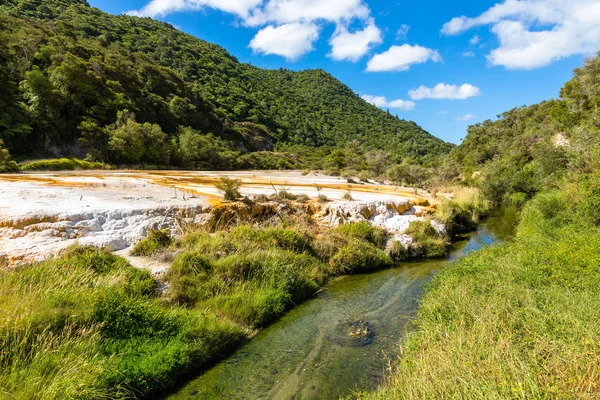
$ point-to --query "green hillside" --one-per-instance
(80, 80)
(531, 148)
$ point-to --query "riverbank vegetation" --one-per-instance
(520, 320)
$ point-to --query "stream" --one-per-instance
(308, 353)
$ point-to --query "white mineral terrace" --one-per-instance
(43, 213)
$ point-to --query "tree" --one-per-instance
(132, 142)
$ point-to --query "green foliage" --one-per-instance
(62, 164)
(6, 164)
(67, 70)
(529, 149)
(464, 211)
(153, 243)
(230, 188)
(397, 251)
(131, 142)
(364, 231)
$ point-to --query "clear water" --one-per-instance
(308, 353)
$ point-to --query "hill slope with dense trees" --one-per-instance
(531, 148)
(81, 80)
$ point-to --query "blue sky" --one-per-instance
(442, 64)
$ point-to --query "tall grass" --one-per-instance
(520, 320)
(464, 210)
(88, 325)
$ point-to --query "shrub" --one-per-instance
(518, 199)
(155, 241)
(347, 196)
(6, 164)
(283, 194)
(302, 198)
(230, 188)
(464, 211)
(322, 198)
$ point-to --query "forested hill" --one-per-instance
(532, 148)
(76, 79)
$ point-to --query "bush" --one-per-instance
(155, 241)
(322, 198)
(464, 211)
(230, 188)
(6, 164)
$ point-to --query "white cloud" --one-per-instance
(161, 8)
(535, 33)
(400, 58)
(350, 46)
(475, 39)
(466, 117)
(279, 16)
(290, 40)
(443, 112)
(468, 54)
(402, 32)
(285, 11)
(382, 102)
(444, 91)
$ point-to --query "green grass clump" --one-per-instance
(62, 164)
(464, 211)
(230, 188)
(519, 320)
(427, 242)
(155, 241)
(359, 256)
(397, 251)
(252, 289)
(362, 230)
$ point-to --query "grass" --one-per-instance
(88, 325)
(230, 188)
(156, 241)
(62, 164)
(520, 320)
(464, 211)
(427, 242)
